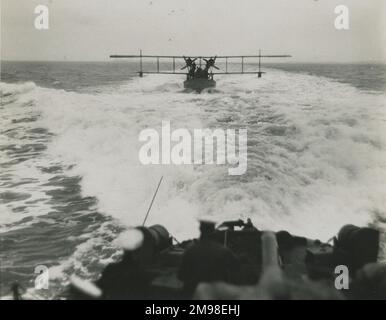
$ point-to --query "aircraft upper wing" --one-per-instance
(257, 56)
(144, 56)
(199, 57)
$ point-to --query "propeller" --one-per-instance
(211, 63)
(188, 62)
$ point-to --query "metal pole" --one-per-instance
(226, 65)
(242, 64)
(152, 200)
(174, 65)
(158, 64)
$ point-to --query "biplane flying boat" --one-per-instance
(199, 69)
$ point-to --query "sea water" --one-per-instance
(71, 180)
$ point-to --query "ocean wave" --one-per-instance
(11, 89)
(316, 150)
(316, 159)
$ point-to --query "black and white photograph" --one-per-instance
(188, 150)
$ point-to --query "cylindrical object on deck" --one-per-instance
(269, 250)
(161, 237)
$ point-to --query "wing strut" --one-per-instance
(140, 64)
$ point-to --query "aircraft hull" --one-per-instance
(199, 84)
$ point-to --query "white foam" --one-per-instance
(317, 151)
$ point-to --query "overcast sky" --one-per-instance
(94, 29)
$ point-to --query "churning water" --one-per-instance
(71, 181)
